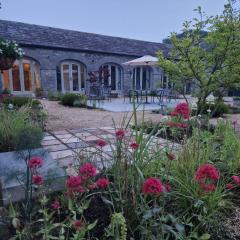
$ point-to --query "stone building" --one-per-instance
(60, 60)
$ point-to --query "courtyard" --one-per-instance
(104, 136)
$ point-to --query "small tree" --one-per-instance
(211, 60)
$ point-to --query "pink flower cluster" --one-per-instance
(236, 181)
(182, 109)
(206, 175)
(154, 187)
(34, 164)
(84, 180)
(120, 134)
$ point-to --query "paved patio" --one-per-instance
(119, 105)
(67, 146)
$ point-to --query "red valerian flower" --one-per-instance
(120, 133)
(210, 187)
(102, 183)
(134, 145)
(35, 162)
(171, 156)
(101, 143)
(55, 204)
(167, 187)
(236, 179)
(204, 173)
(183, 110)
(229, 186)
(73, 182)
(92, 186)
(88, 170)
(78, 224)
(152, 186)
(37, 179)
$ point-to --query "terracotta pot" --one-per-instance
(6, 62)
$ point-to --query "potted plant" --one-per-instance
(9, 52)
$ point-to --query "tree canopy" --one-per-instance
(211, 61)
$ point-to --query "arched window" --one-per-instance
(141, 78)
(24, 76)
(73, 76)
(113, 77)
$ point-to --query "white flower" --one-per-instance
(199, 115)
(10, 106)
(209, 110)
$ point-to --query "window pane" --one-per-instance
(119, 78)
(27, 77)
(5, 76)
(75, 77)
(113, 77)
(66, 77)
(138, 86)
(144, 78)
(36, 75)
(16, 78)
(82, 76)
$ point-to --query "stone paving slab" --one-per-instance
(65, 145)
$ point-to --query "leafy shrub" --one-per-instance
(39, 92)
(27, 137)
(217, 109)
(18, 102)
(72, 99)
(6, 91)
(55, 96)
(16, 128)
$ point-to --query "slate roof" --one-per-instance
(41, 36)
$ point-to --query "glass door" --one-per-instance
(71, 77)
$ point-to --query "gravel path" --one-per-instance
(61, 117)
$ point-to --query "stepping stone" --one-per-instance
(49, 137)
(61, 136)
(54, 148)
(12, 165)
(50, 142)
(62, 154)
(76, 145)
(70, 140)
(60, 132)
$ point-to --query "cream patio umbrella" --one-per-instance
(146, 60)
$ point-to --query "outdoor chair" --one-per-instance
(133, 94)
(106, 92)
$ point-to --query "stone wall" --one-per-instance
(49, 59)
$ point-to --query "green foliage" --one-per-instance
(73, 99)
(118, 228)
(55, 96)
(6, 91)
(10, 49)
(18, 102)
(17, 131)
(210, 61)
(217, 109)
(39, 92)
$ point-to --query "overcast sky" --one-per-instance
(150, 20)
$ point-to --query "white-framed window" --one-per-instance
(73, 76)
(23, 77)
(141, 78)
(112, 76)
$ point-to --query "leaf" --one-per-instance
(105, 200)
(205, 236)
(92, 225)
(148, 215)
(180, 227)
